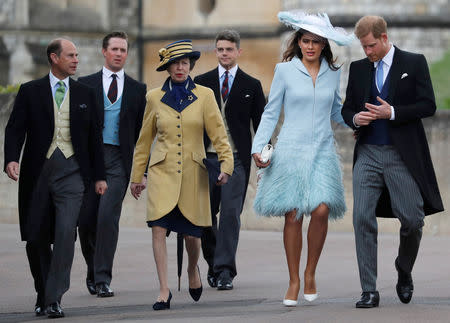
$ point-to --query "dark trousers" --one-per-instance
(378, 167)
(61, 184)
(219, 244)
(99, 235)
(39, 255)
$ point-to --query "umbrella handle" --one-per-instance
(179, 283)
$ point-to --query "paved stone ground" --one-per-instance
(259, 286)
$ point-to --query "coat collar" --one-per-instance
(394, 75)
(299, 65)
(170, 100)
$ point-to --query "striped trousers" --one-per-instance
(378, 167)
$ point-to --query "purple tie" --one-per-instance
(225, 87)
(112, 92)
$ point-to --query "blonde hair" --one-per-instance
(370, 24)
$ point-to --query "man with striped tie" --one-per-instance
(241, 100)
(122, 103)
(388, 93)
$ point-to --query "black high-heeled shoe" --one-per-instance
(158, 306)
(196, 293)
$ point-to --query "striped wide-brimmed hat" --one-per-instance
(174, 51)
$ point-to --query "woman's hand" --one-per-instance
(258, 162)
(137, 188)
(222, 179)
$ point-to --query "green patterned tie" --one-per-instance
(59, 94)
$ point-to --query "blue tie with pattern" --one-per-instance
(379, 75)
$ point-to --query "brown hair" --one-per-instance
(54, 47)
(115, 34)
(231, 35)
(293, 50)
(370, 24)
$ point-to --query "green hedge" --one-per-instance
(440, 76)
(9, 89)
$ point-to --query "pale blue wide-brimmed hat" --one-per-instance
(317, 24)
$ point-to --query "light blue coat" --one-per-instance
(305, 169)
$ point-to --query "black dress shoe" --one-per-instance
(103, 290)
(196, 293)
(368, 300)
(54, 311)
(212, 279)
(224, 282)
(158, 306)
(39, 310)
(405, 285)
(91, 286)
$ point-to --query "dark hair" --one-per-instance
(54, 47)
(231, 35)
(191, 62)
(115, 34)
(293, 50)
(370, 24)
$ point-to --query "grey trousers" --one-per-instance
(99, 242)
(219, 244)
(61, 180)
(377, 167)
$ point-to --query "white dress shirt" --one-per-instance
(107, 79)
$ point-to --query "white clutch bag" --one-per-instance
(266, 153)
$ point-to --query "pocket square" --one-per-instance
(247, 95)
(404, 75)
(83, 106)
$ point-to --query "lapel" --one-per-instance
(46, 97)
(73, 94)
(98, 81)
(170, 100)
(214, 84)
(394, 73)
(125, 96)
(367, 81)
(236, 84)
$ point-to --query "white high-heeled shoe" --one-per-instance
(310, 297)
(289, 302)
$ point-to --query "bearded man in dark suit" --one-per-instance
(388, 94)
(241, 100)
(57, 119)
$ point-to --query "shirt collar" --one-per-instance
(108, 73)
(387, 59)
(231, 71)
(54, 80)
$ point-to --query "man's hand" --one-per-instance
(12, 170)
(382, 111)
(137, 188)
(222, 179)
(258, 162)
(364, 118)
(100, 187)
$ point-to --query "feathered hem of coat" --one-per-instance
(301, 181)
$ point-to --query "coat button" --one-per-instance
(179, 144)
(178, 126)
(179, 135)
(179, 171)
(179, 153)
(178, 117)
(179, 163)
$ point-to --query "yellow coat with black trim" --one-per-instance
(176, 174)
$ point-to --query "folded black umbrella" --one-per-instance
(180, 249)
(213, 167)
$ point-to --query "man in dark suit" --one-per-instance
(122, 102)
(241, 100)
(57, 117)
(388, 94)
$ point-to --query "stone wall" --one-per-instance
(133, 214)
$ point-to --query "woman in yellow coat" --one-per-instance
(177, 114)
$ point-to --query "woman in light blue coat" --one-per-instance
(304, 175)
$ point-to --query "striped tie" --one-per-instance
(112, 92)
(225, 87)
(59, 93)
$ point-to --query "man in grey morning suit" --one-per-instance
(122, 102)
(241, 99)
(56, 118)
(388, 94)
